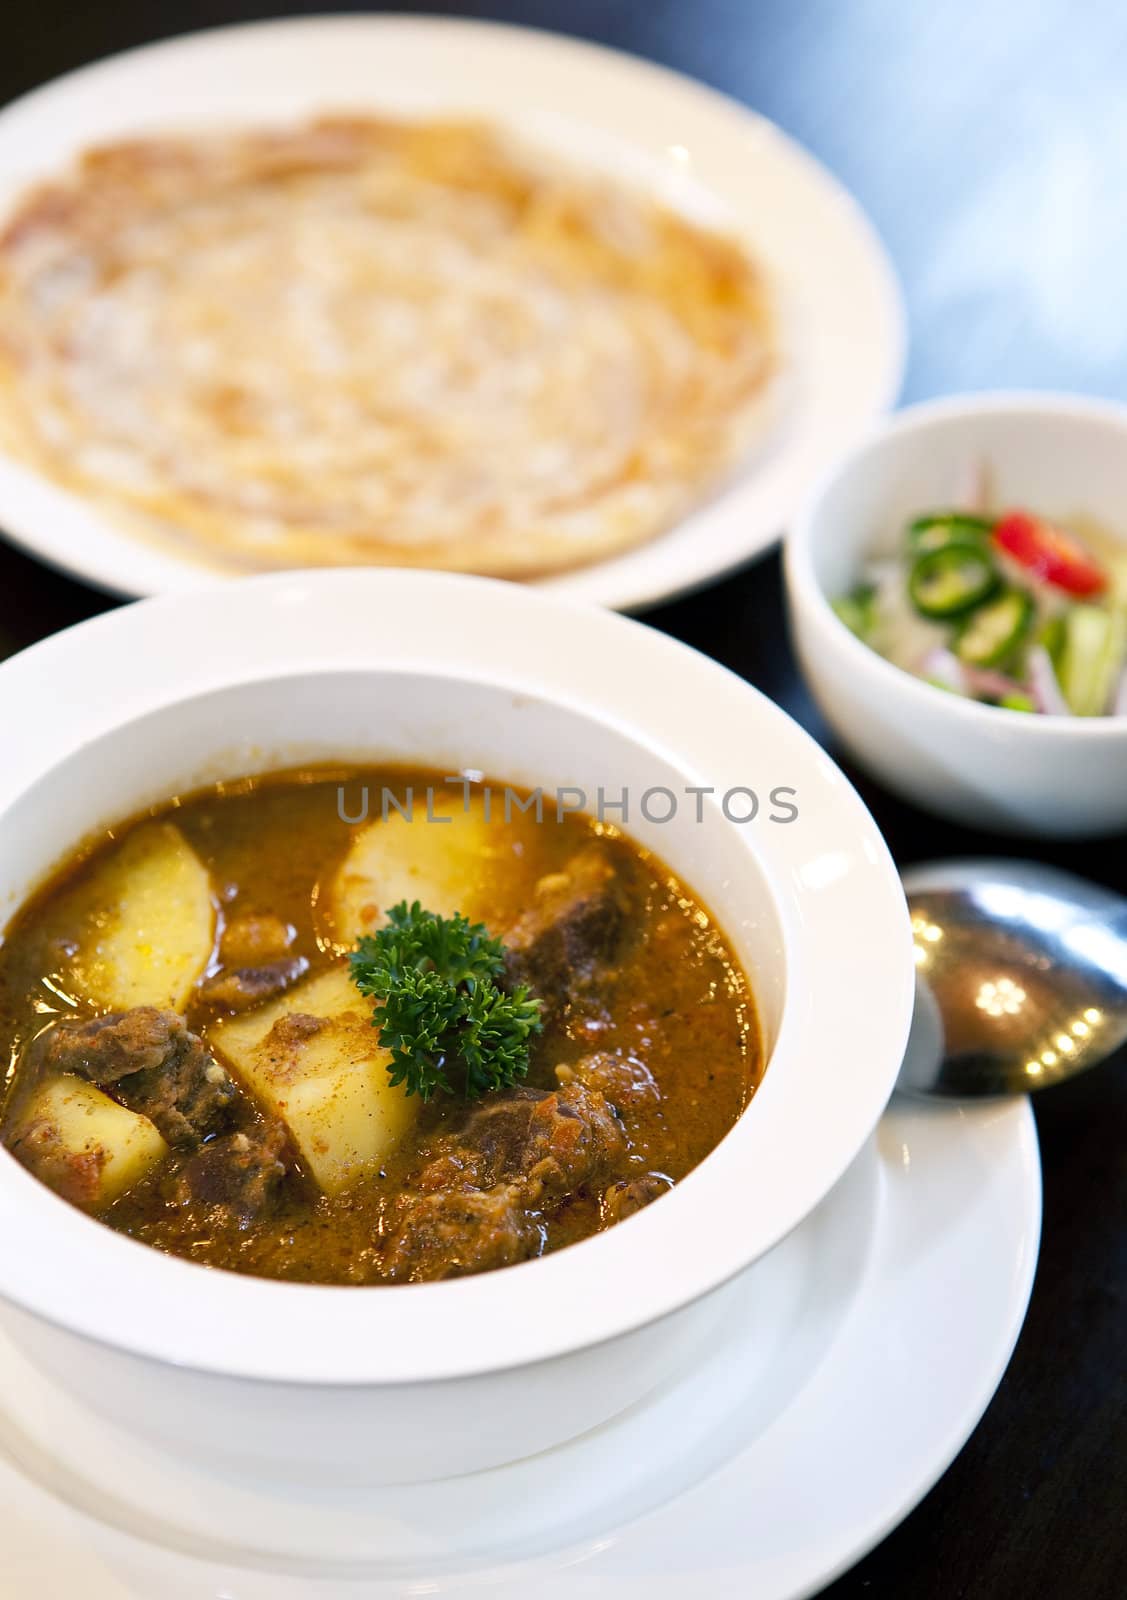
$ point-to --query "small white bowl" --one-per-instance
(992, 769)
(422, 1381)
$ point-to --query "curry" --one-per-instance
(196, 1060)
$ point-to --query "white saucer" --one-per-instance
(843, 315)
(851, 1366)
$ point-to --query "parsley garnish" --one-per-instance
(449, 1026)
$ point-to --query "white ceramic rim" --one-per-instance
(803, 582)
(915, 1429)
(849, 975)
(844, 317)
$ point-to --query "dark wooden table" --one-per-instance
(988, 140)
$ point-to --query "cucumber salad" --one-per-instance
(1010, 610)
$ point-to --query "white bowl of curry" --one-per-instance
(421, 994)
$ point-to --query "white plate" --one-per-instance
(843, 313)
(854, 1363)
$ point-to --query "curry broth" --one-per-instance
(675, 1007)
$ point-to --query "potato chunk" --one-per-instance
(146, 922)
(83, 1144)
(313, 1058)
(449, 865)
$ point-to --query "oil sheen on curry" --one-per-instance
(251, 1033)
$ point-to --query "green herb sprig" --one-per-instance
(449, 1026)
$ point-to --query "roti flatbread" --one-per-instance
(371, 341)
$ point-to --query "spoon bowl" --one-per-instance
(1021, 977)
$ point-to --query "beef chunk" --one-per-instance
(237, 988)
(476, 1202)
(450, 1234)
(575, 1137)
(622, 1079)
(154, 1066)
(110, 1048)
(487, 1148)
(628, 1195)
(187, 1097)
(576, 928)
(548, 1145)
(237, 1178)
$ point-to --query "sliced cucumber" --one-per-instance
(940, 528)
(858, 610)
(994, 631)
(1095, 643)
(952, 580)
(1051, 636)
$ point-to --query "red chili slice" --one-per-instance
(1049, 553)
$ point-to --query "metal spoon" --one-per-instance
(1021, 977)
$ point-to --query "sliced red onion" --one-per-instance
(972, 487)
(1045, 685)
(946, 669)
(995, 685)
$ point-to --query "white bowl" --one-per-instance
(421, 1381)
(992, 769)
